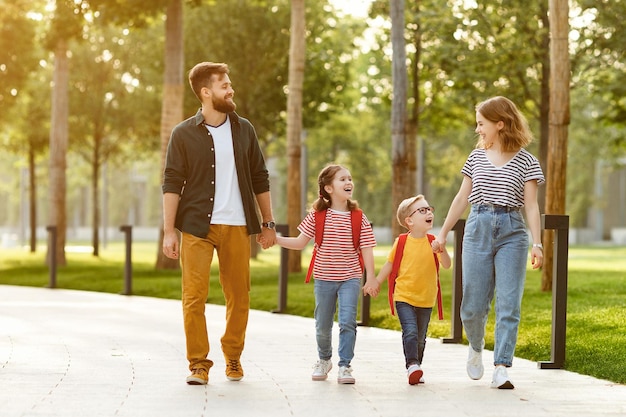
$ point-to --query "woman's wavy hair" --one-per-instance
(515, 134)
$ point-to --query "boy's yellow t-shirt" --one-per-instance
(416, 283)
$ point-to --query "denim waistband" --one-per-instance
(496, 208)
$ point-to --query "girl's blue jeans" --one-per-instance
(495, 253)
(329, 294)
(414, 322)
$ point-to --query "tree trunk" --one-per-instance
(559, 122)
(294, 125)
(172, 104)
(416, 182)
(58, 151)
(32, 198)
(95, 172)
(399, 146)
(544, 108)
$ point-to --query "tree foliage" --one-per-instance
(252, 38)
(18, 58)
(458, 53)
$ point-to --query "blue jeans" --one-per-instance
(495, 253)
(414, 322)
(327, 293)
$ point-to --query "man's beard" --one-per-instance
(223, 106)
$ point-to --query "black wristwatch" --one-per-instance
(269, 225)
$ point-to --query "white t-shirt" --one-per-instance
(228, 206)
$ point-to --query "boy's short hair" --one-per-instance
(404, 209)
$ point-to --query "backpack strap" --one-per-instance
(356, 218)
(439, 301)
(391, 279)
(320, 220)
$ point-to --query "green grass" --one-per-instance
(596, 305)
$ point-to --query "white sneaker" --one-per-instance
(321, 369)
(414, 373)
(345, 375)
(501, 379)
(475, 368)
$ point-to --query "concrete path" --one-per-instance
(71, 353)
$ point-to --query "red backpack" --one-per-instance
(391, 279)
(356, 217)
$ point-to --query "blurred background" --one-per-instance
(84, 91)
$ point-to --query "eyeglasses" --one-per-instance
(423, 210)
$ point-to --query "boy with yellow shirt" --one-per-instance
(416, 286)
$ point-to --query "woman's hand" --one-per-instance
(536, 257)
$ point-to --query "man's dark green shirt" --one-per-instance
(190, 172)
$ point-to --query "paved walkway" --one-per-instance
(69, 353)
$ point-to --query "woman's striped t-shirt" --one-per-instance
(504, 185)
(337, 260)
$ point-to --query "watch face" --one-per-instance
(269, 225)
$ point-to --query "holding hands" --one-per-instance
(267, 237)
(438, 245)
(371, 288)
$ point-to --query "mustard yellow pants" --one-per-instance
(232, 244)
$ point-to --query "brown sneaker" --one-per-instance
(234, 371)
(199, 376)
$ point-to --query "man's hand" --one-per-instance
(267, 238)
(170, 245)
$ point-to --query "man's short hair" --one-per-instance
(200, 75)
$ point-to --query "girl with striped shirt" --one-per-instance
(499, 178)
(337, 268)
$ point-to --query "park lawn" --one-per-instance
(596, 305)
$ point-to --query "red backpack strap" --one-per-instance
(439, 301)
(397, 258)
(320, 219)
(356, 218)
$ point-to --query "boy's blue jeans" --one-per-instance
(414, 322)
(495, 253)
(327, 295)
